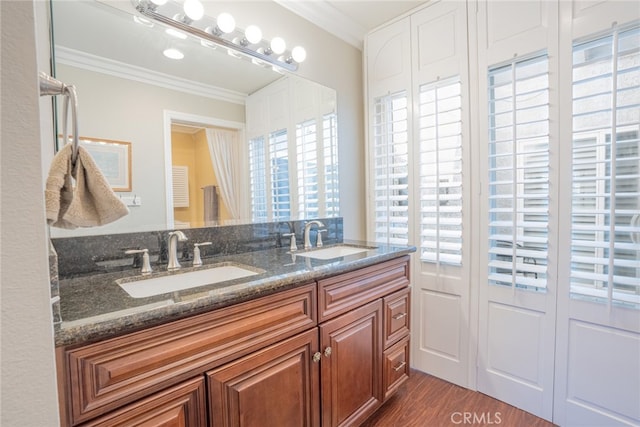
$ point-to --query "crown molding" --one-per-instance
(79, 59)
(327, 17)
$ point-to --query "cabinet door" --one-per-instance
(351, 365)
(179, 406)
(277, 386)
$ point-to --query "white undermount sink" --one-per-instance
(151, 286)
(333, 252)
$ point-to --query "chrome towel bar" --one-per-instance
(52, 87)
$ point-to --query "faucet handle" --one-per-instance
(292, 247)
(319, 243)
(196, 253)
(146, 265)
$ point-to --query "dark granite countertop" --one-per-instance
(95, 307)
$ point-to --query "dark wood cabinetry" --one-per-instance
(322, 354)
(276, 386)
(179, 406)
(351, 365)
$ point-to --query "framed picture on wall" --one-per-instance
(113, 158)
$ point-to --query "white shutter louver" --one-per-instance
(331, 185)
(258, 179)
(605, 249)
(307, 169)
(519, 173)
(390, 169)
(441, 171)
(180, 186)
(279, 159)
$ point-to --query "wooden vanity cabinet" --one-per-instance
(108, 375)
(363, 314)
(323, 354)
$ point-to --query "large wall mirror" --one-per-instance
(172, 112)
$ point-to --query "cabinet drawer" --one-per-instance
(396, 316)
(339, 294)
(396, 367)
(181, 405)
(104, 376)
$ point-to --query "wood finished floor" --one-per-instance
(427, 401)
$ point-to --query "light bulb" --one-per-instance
(173, 53)
(253, 34)
(193, 9)
(226, 23)
(299, 54)
(278, 45)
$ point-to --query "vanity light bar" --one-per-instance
(148, 9)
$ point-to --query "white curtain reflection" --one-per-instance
(224, 150)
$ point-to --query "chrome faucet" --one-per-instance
(307, 229)
(174, 237)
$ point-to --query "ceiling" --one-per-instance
(349, 20)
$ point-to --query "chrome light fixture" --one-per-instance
(221, 32)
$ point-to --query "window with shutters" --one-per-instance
(390, 169)
(279, 173)
(519, 173)
(316, 168)
(330, 155)
(440, 134)
(307, 167)
(605, 226)
(258, 179)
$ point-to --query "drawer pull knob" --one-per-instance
(400, 366)
(399, 316)
(316, 357)
(327, 352)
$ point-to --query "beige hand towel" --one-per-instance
(90, 204)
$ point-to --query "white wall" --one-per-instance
(27, 366)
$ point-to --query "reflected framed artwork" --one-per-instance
(113, 158)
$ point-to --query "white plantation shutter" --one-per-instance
(605, 230)
(307, 167)
(441, 171)
(180, 186)
(279, 160)
(519, 173)
(390, 169)
(330, 153)
(258, 179)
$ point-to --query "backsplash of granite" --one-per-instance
(88, 255)
(54, 283)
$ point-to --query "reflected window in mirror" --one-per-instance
(306, 188)
(279, 163)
